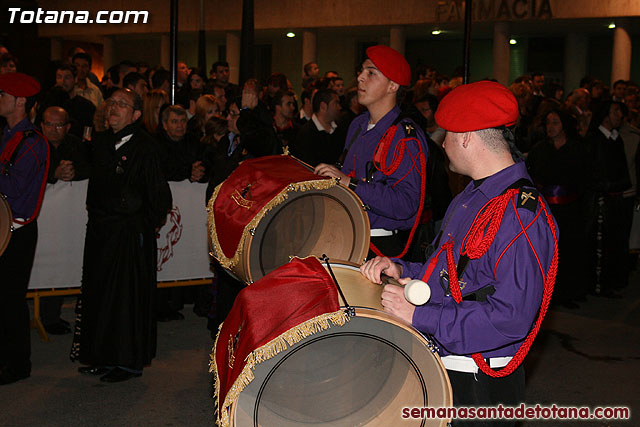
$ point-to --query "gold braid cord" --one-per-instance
(266, 352)
(214, 243)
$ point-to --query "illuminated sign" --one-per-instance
(494, 10)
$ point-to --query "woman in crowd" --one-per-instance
(153, 102)
(559, 167)
(206, 107)
(192, 90)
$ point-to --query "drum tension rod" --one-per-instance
(350, 310)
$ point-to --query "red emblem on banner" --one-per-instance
(167, 240)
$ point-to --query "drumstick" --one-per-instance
(388, 280)
(306, 165)
(416, 292)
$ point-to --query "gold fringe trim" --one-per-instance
(214, 243)
(269, 350)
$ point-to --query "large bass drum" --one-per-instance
(362, 373)
(308, 220)
(6, 221)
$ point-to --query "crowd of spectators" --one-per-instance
(581, 149)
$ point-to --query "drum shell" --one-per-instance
(339, 228)
(383, 354)
(6, 222)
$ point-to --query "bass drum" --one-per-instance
(363, 373)
(330, 221)
(6, 221)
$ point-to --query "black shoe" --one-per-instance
(118, 375)
(8, 376)
(94, 370)
(58, 328)
(167, 317)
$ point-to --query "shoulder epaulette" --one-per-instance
(528, 198)
(409, 129)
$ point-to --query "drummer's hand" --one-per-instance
(394, 302)
(332, 171)
(377, 266)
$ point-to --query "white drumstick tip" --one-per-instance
(417, 292)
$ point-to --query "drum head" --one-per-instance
(331, 222)
(362, 373)
(5, 224)
(357, 290)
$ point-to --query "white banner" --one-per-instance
(182, 244)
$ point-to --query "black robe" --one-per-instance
(565, 171)
(607, 228)
(128, 198)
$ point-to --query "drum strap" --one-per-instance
(9, 157)
(476, 243)
(343, 156)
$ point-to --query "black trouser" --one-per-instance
(474, 390)
(15, 268)
(227, 289)
(51, 309)
(618, 213)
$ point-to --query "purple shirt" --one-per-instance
(391, 207)
(498, 326)
(22, 185)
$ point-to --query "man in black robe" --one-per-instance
(127, 201)
(607, 231)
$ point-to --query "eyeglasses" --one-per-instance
(119, 103)
(58, 126)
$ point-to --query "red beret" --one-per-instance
(476, 106)
(19, 84)
(391, 63)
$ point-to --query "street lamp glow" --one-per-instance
(513, 41)
(436, 32)
(291, 35)
(612, 26)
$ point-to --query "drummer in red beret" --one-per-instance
(487, 284)
(384, 158)
(24, 160)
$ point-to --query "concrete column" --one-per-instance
(501, 52)
(165, 51)
(309, 48)
(233, 57)
(56, 49)
(397, 37)
(576, 51)
(107, 53)
(621, 61)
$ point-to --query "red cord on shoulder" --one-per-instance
(495, 268)
(475, 244)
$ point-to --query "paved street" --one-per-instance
(589, 356)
